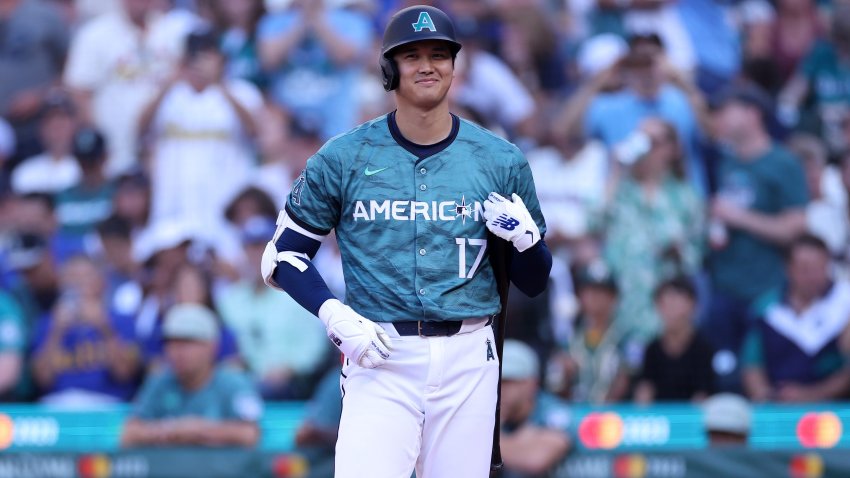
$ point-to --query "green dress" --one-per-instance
(649, 239)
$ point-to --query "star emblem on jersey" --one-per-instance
(462, 209)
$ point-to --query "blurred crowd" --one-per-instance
(692, 160)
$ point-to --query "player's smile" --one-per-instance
(423, 67)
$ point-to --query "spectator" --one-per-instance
(654, 228)
(32, 51)
(653, 88)
(534, 434)
(132, 200)
(821, 79)
(715, 40)
(485, 84)
(237, 21)
(727, 419)
(33, 213)
(826, 212)
(81, 208)
(12, 347)
(55, 169)
(82, 355)
(758, 209)
(115, 64)
(199, 125)
(33, 282)
(676, 365)
(313, 54)
(250, 203)
(279, 166)
(791, 354)
(595, 367)
(120, 272)
(194, 401)
(281, 343)
(794, 31)
(192, 284)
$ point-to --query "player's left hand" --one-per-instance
(511, 221)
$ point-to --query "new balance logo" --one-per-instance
(423, 23)
(506, 222)
(335, 340)
(490, 355)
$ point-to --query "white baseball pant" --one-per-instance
(430, 407)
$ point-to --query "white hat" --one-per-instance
(600, 52)
(727, 412)
(159, 236)
(190, 322)
(519, 361)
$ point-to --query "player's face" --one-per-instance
(425, 71)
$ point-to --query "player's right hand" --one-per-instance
(357, 337)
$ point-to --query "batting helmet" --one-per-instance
(419, 22)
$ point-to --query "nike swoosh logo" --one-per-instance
(370, 172)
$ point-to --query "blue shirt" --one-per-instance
(84, 359)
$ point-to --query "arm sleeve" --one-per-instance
(314, 202)
(793, 190)
(752, 352)
(530, 269)
(145, 406)
(306, 286)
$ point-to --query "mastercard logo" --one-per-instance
(94, 466)
(290, 466)
(819, 430)
(7, 431)
(630, 466)
(809, 465)
(601, 430)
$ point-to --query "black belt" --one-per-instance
(444, 328)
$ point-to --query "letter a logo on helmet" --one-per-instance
(424, 22)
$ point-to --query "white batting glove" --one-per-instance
(357, 337)
(511, 221)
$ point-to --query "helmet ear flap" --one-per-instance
(389, 73)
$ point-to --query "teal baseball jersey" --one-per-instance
(411, 232)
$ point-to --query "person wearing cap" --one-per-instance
(727, 420)
(411, 197)
(757, 210)
(55, 169)
(313, 54)
(82, 207)
(281, 343)
(593, 368)
(193, 401)
(677, 364)
(534, 424)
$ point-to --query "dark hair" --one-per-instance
(46, 199)
(680, 283)
(806, 240)
(220, 19)
(265, 204)
(115, 226)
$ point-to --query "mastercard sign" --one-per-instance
(601, 431)
(7, 431)
(630, 466)
(290, 466)
(94, 466)
(809, 465)
(819, 430)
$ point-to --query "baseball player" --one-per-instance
(412, 196)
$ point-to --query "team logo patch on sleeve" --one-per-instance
(298, 188)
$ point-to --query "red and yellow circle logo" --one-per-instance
(809, 465)
(601, 430)
(819, 430)
(290, 466)
(7, 431)
(94, 466)
(630, 466)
